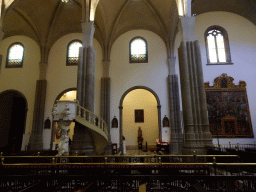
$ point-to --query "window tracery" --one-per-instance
(217, 46)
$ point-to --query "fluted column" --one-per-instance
(196, 126)
(186, 96)
(83, 142)
(174, 103)
(105, 108)
(36, 137)
(120, 131)
(90, 79)
(204, 121)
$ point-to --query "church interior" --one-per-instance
(128, 78)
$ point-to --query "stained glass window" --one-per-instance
(15, 56)
(217, 46)
(73, 52)
(138, 50)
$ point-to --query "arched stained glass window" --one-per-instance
(217, 46)
(73, 52)
(138, 50)
(15, 55)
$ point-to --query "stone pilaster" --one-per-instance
(174, 103)
(43, 69)
(35, 141)
(171, 65)
(105, 108)
(120, 131)
(1, 38)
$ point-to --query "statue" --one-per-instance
(64, 114)
(140, 138)
(63, 147)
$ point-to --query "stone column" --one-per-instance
(105, 108)
(120, 131)
(196, 124)
(1, 38)
(159, 121)
(81, 76)
(83, 142)
(186, 99)
(174, 103)
(204, 121)
(36, 140)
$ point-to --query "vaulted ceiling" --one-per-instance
(46, 21)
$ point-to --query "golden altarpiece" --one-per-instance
(228, 108)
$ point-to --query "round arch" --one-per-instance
(65, 91)
(121, 112)
(13, 108)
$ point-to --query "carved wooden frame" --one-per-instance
(228, 102)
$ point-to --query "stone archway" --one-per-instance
(121, 113)
(13, 113)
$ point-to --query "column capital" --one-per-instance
(88, 30)
(187, 25)
(43, 69)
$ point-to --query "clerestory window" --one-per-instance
(73, 52)
(217, 46)
(15, 55)
(138, 50)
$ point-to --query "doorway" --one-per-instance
(13, 112)
(140, 107)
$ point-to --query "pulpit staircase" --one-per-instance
(72, 111)
(96, 125)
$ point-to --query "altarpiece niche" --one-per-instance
(228, 109)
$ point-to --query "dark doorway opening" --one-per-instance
(13, 110)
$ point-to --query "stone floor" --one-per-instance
(138, 152)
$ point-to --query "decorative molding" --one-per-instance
(224, 82)
(228, 109)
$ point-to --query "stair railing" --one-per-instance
(91, 118)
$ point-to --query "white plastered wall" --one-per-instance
(22, 79)
(61, 77)
(242, 41)
(125, 75)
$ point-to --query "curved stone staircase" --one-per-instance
(97, 127)
(72, 111)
